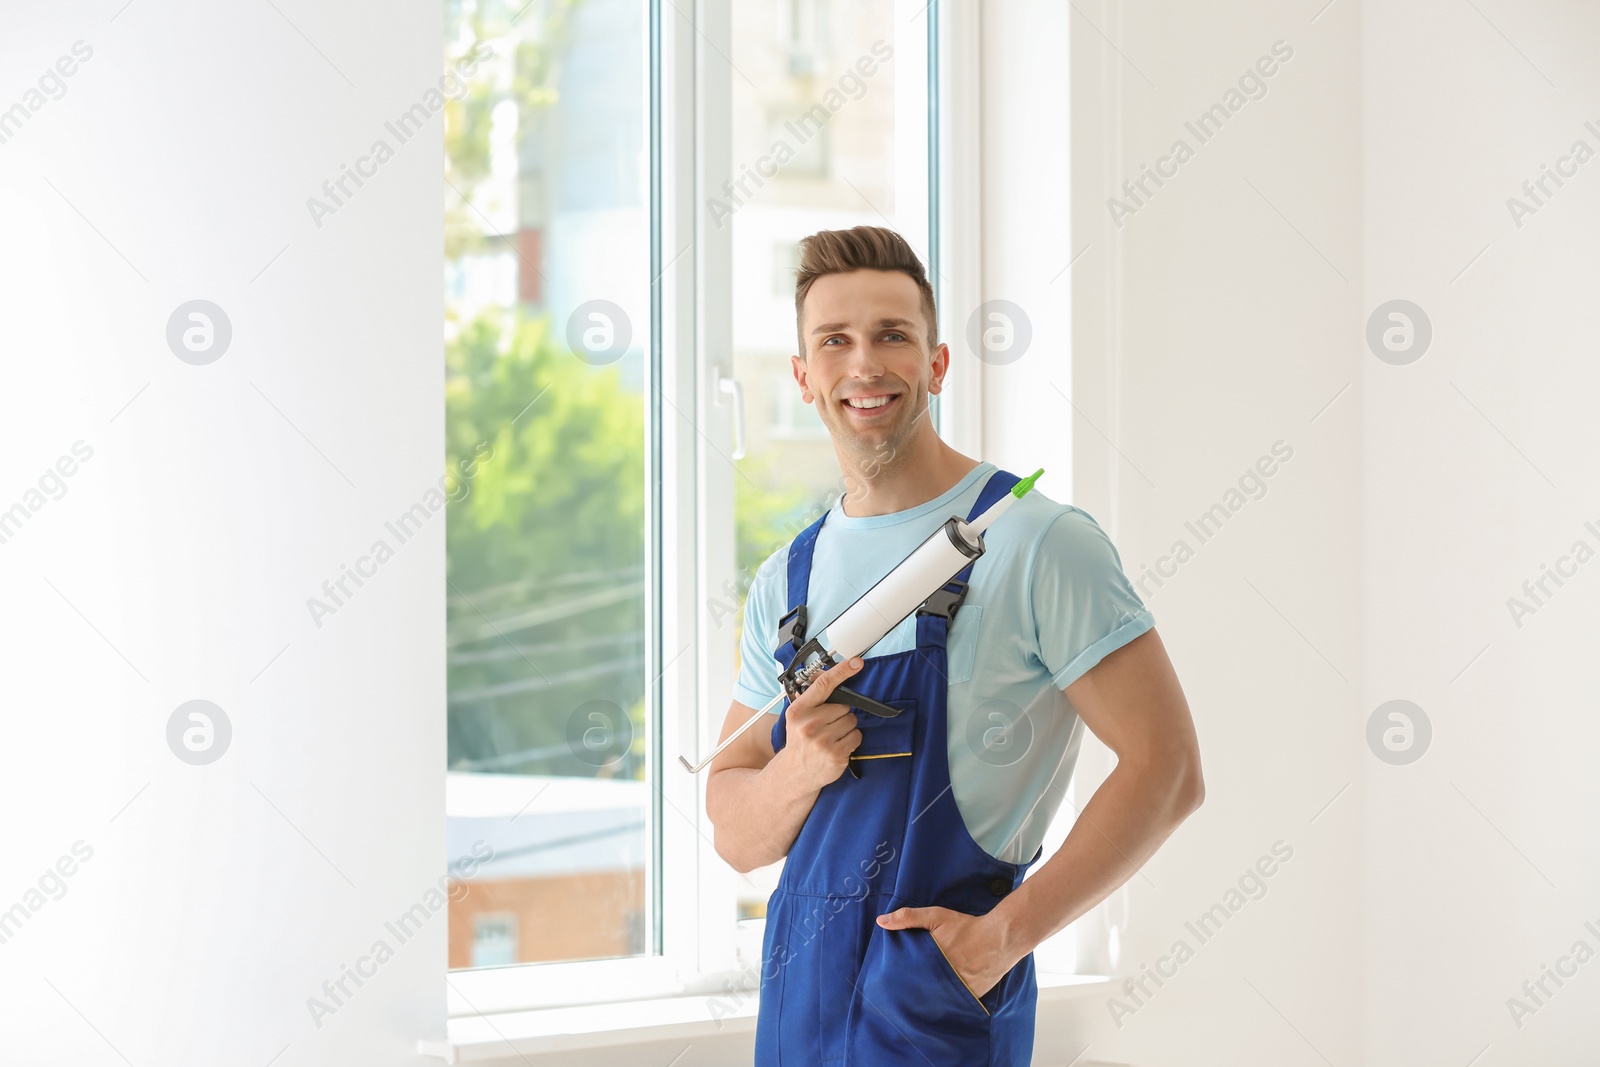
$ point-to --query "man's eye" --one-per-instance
(896, 333)
(825, 340)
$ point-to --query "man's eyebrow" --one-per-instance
(830, 327)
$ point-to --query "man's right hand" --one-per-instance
(759, 799)
(821, 736)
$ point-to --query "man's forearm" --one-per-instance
(757, 814)
(1126, 820)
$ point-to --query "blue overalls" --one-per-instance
(836, 988)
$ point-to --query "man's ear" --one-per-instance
(941, 366)
(798, 365)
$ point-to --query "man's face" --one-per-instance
(868, 365)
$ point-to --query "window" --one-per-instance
(494, 940)
(799, 31)
(596, 295)
(803, 137)
(547, 337)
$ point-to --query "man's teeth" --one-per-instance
(869, 402)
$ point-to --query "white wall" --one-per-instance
(1225, 315)
(1482, 860)
(1207, 330)
(218, 498)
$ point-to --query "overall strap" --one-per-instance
(999, 484)
(792, 626)
(800, 550)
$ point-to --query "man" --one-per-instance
(901, 931)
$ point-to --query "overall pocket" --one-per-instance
(890, 736)
(887, 744)
(912, 1007)
(985, 1001)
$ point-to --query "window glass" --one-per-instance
(547, 246)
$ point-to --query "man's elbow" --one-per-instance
(734, 853)
(731, 855)
(720, 842)
(1190, 791)
(742, 861)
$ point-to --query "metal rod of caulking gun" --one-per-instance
(696, 768)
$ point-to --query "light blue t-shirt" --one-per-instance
(1047, 601)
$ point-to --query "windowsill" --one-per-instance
(475, 1038)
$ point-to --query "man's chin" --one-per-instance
(870, 448)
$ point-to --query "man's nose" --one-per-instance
(865, 361)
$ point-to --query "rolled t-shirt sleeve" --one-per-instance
(757, 682)
(1084, 607)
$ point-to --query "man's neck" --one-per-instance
(914, 478)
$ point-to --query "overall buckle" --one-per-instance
(792, 627)
(945, 600)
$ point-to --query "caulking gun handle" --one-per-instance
(845, 695)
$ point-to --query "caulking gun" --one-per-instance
(918, 579)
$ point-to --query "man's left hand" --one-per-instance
(973, 944)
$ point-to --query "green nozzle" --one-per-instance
(1021, 488)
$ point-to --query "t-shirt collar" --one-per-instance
(944, 502)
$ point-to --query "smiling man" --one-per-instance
(902, 929)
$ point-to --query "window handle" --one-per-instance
(734, 388)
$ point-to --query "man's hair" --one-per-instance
(859, 248)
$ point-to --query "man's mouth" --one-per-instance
(867, 407)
